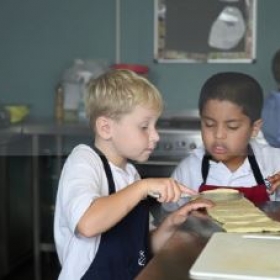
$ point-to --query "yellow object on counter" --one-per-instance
(17, 112)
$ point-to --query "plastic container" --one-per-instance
(137, 68)
(73, 81)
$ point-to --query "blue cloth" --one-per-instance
(271, 119)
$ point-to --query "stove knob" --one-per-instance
(192, 146)
(168, 146)
(182, 144)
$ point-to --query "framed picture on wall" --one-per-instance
(205, 31)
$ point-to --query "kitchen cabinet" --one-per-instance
(31, 157)
(15, 202)
(51, 142)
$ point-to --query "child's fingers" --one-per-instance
(195, 205)
(169, 190)
(178, 189)
(201, 203)
(274, 187)
(274, 182)
(182, 213)
(175, 191)
(185, 189)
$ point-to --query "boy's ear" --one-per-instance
(103, 127)
(257, 125)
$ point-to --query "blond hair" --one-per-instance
(117, 92)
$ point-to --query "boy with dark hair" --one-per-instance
(230, 109)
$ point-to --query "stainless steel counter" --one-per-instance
(178, 255)
(49, 127)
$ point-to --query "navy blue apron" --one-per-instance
(257, 194)
(124, 249)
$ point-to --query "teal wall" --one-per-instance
(40, 39)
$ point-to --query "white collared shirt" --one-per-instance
(188, 172)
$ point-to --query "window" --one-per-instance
(205, 30)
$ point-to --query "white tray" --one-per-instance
(239, 257)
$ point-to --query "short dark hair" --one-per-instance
(238, 88)
(275, 66)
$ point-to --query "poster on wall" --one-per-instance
(205, 31)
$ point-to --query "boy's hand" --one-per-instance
(171, 223)
(167, 189)
(180, 216)
(274, 182)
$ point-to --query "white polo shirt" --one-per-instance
(188, 172)
(82, 180)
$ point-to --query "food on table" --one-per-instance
(222, 194)
(242, 216)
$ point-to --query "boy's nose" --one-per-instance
(220, 133)
(154, 135)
